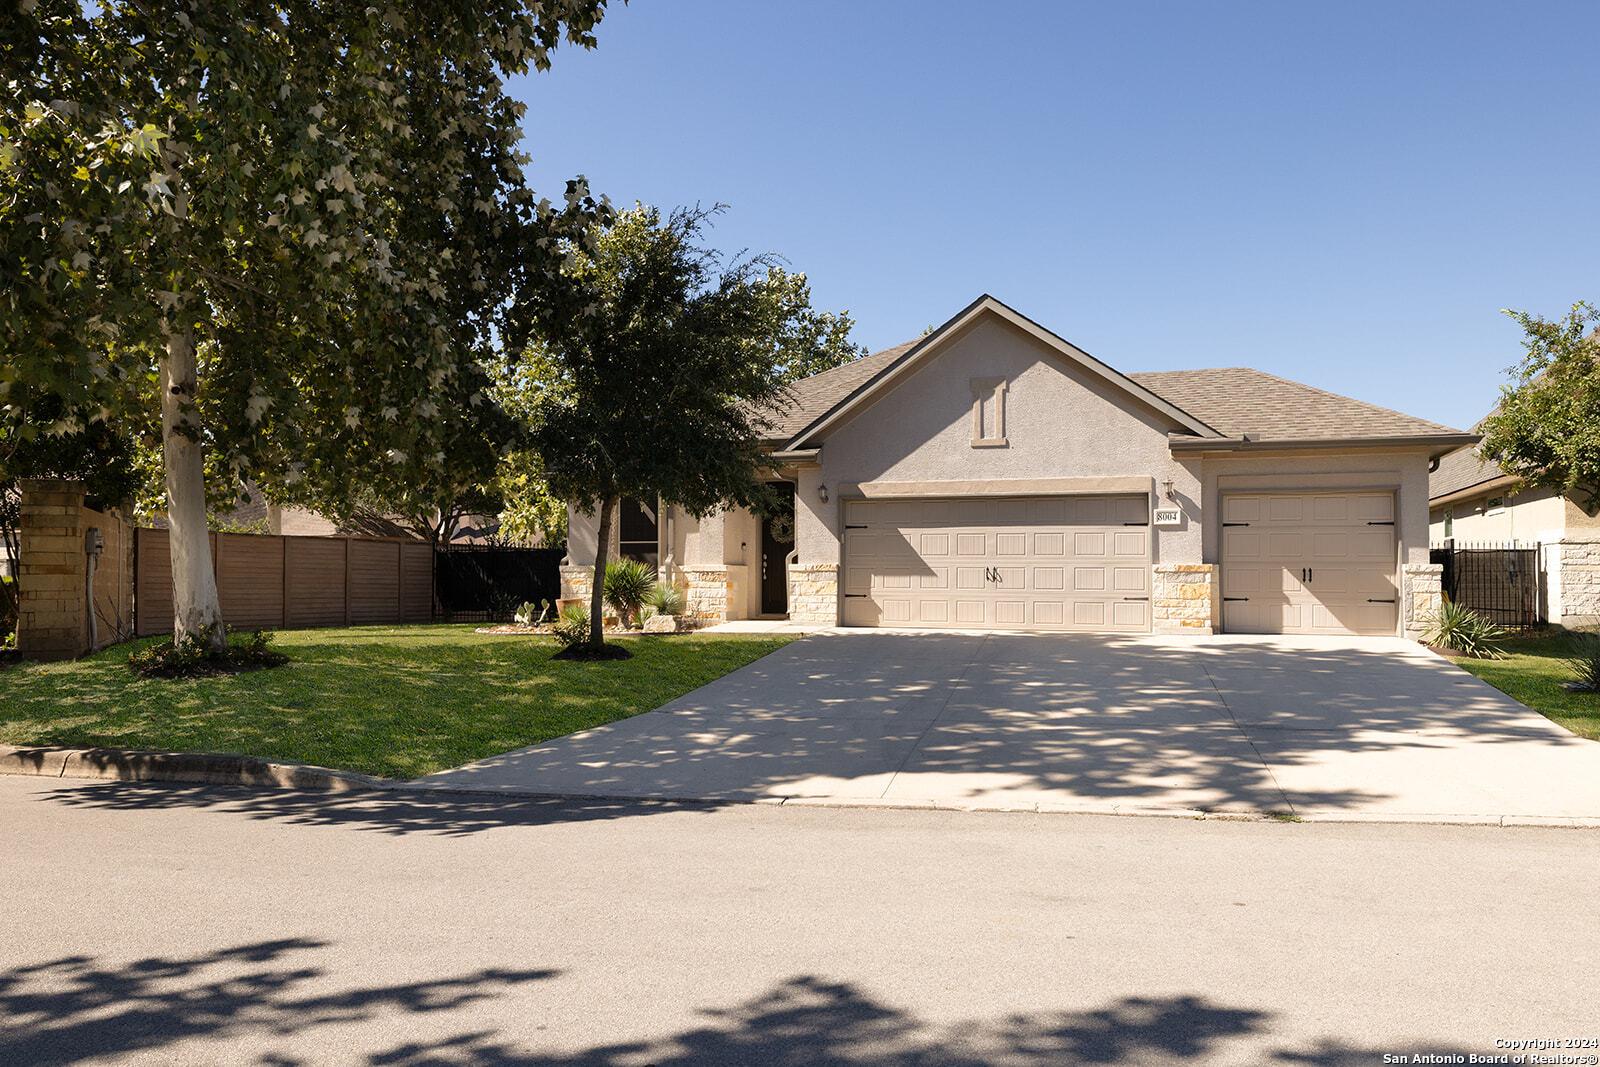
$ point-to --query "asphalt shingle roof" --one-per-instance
(1232, 400)
(1239, 400)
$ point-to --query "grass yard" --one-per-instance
(398, 702)
(1532, 673)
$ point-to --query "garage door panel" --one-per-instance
(995, 563)
(1131, 544)
(1330, 570)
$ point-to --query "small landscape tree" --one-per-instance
(1547, 427)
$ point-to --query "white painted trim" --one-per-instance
(1003, 487)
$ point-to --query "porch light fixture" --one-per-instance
(822, 492)
(1166, 490)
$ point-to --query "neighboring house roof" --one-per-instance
(1226, 402)
(1464, 469)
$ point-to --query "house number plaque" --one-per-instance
(1168, 517)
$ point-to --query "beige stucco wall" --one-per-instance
(1536, 516)
(1060, 422)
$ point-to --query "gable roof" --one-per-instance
(1219, 406)
(1463, 469)
(891, 362)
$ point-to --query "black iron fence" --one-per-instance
(1500, 582)
(487, 583)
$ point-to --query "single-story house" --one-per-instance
(1474, 502)
(992, 475)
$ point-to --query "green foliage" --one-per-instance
(1465, 631)
(666, 598)
(197, 657)
(8, 609)
(801, 341)
(1583, 658)
(572, 627)
(1547, 427)
(326, 201)
(628, 583)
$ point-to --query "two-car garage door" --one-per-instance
(1291, 562)
(1044, 563)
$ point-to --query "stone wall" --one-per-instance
(814, 593)
(52, 616)
(712, 592)
(1580, 582)
(577, 583)
(1184, 598)
(1421, 597)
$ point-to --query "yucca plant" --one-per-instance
(628, 582)
(1583, 656)
(666, 598)
(1467, 632)
(572, 627)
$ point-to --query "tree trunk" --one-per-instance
(194, 587)
(597, 617)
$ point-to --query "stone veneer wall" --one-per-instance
(1421, 597)
(1185, 599)
(577, 583)
(814, 593)
(52, 618)
(1580, 583)
(714, 591)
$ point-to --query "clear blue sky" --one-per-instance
(1345, 194)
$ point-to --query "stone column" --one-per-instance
(814, 594)
(52, 616)
(577, 583)
(1580, 583)
(1184, 598)
(1421, 597)
(710, 592)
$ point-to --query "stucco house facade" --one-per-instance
(992, 475)
(1473, 501)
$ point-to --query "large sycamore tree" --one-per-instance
(1547, 427)
(285, 224)
(650, 366)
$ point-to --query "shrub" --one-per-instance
(572, 628)
(1467, 632)
(502, 605)
(628, 582)
(666, 598)
(193, 657)
(1583, 656)
(8, 608)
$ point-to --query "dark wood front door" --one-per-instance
(777, 541)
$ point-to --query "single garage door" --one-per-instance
(1309, 563)
(1045, 563)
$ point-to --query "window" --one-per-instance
(1449, 524)
(988, 412)
(637, 532)
(1496, 505)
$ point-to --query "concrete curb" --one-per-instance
(135, 765)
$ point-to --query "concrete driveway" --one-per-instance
(1318, 727)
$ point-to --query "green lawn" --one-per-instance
(1533, 672)
(398, 702)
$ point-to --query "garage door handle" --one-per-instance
(1370, 600)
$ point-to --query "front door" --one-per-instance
(777, 542)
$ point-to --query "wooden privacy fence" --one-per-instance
(271, 581)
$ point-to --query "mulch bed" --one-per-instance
(589, 654)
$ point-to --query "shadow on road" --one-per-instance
(268, 1003)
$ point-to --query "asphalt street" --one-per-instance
(175, 924)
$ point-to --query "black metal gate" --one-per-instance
(1499, 582)
(487, 583)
